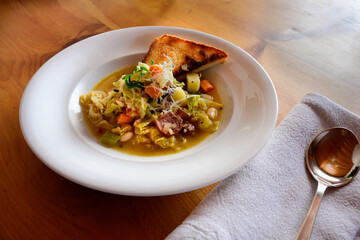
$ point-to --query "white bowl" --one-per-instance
(54, 128)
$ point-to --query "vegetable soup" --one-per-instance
(143, 110)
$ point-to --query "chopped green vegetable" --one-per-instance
(142, 68)
(137, 83)
(192, 102)
(153, 103)
(201, 103)
(160, 140)
(152, 62)
(138, 102)
(113, 109)
(142, 127)
(130, 83)
(110, 138)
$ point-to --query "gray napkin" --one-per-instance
(269, 197)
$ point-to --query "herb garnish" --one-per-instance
(137, 83)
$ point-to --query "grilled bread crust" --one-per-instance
(194, 56)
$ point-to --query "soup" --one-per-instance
(143, 110)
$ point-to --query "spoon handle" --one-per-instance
(306, 227)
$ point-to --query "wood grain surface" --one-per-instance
(305, 46)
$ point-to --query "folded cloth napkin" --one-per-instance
(269, 197)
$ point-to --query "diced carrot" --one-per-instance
(153, 91)
(123, 118)
(155, 69)
(206, 86)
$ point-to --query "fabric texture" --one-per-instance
(270, 196)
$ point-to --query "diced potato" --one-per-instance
(178, 94)
(193, 82)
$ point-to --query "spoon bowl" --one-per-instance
(330, 157)
(333, 160)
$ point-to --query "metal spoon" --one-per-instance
(333, 160)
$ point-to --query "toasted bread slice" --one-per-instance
(187, 56)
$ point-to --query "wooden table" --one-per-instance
(305, 46)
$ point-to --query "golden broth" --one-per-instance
(141, 150)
